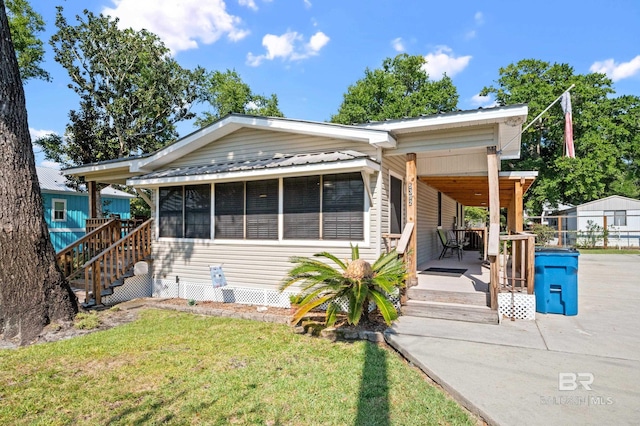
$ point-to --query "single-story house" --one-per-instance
(248, 192)
(583, 225)
(66, 210)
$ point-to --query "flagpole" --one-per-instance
(537, 118)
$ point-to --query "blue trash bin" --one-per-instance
(556, 280)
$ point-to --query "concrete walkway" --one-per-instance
(509, 374)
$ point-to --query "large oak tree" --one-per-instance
(226, 93)
(132, 92)
(33, 291)
(24, 24)
(401, 88)
(606, 133)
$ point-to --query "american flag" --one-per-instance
(568, 125)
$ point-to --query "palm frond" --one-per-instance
(355, 252)
(333, 258)
(388, 311)
(332, 311)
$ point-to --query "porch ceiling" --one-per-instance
(474, 190)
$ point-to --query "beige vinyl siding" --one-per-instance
(427, 224)
(244, 265)
(397, 165)
(249, 264)
(448, 212)
(471, 137)
(246, 144)
(447, 165)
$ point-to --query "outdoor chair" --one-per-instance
(448, 243)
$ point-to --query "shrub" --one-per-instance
(356, 281)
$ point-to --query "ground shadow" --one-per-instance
(373, 397)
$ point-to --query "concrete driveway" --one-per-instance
(556, 370)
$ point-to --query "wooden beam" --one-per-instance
(93, 192)
(494, 222)
(412, 217)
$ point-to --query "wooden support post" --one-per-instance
(560, 230)
(93, 192)
(412, 217)
(531, 242)
(494, 223)
(515, 221)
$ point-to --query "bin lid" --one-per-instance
(561, 251)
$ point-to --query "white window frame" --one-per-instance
(53, 209)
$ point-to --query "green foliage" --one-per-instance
(176, 368)
(227, 93)
(131, 91)
(87, 321)
(544, 233)
(478, 215)
(606, 136)
(593, 234)
(356, 282)
(401, 88)
(24, 24)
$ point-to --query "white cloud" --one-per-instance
(50, 164)
(181, 25)
(483, 101)
(398, 44)
(471, 34)
(479, 18)
(617, 71)
(444, 61)
(288, 46)
(307, 4)
(38, 133)
(251, 4)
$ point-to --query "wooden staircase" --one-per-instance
(102, 259)
(450, 305)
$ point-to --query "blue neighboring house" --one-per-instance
(66, 209)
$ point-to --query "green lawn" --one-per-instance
(176, 368)
(608, 251)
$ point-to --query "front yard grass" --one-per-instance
(176, 368)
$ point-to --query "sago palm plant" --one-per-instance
(356, 281)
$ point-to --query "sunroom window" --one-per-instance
(185, 211)
(328, 207)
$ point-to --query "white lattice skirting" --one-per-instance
(133, 288)
(203, 291)
(517, 305)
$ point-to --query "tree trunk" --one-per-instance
(33, 291)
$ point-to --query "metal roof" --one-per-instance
(54, 180)
(277, 161)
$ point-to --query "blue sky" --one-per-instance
(309, 51)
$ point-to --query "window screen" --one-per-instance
(301, 205)
(197, 211)
(170, 211)
(343, 207)
(262, 209)
(229, 210)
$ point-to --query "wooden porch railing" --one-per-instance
(126, 225)
(516, 265)
(72, 257)
(113, 263)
